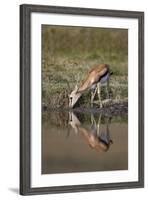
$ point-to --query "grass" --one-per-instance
(60, 79)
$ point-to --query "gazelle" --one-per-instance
(96, 77)
(96, 139)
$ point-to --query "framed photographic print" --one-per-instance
(81, 99)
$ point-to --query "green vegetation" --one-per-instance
(69, 52)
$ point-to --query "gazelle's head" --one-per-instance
(74, 122)
(73, 97)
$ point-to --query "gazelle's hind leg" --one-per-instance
(99, 94)
(108, 137)
(107, 90)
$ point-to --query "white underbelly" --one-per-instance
(104, 78)
(103, 81)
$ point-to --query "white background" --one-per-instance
(9, 100)
(38, 180)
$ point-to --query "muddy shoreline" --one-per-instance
(119, 108)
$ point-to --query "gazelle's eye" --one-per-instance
(71, 99)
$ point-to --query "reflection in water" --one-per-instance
(96, 139)
(80, 142)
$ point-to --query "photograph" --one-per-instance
(81, 99)
(84, 99)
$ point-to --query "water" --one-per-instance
(79, 142)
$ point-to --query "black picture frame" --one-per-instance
(25, 98)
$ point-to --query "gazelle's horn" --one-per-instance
(68, 85)
(76, 88)
(77, 78)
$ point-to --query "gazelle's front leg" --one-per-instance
(98, 125)
(93, 121)
(99, 94)
(93, 93)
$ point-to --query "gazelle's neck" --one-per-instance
(74, 97)
(84, 86)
